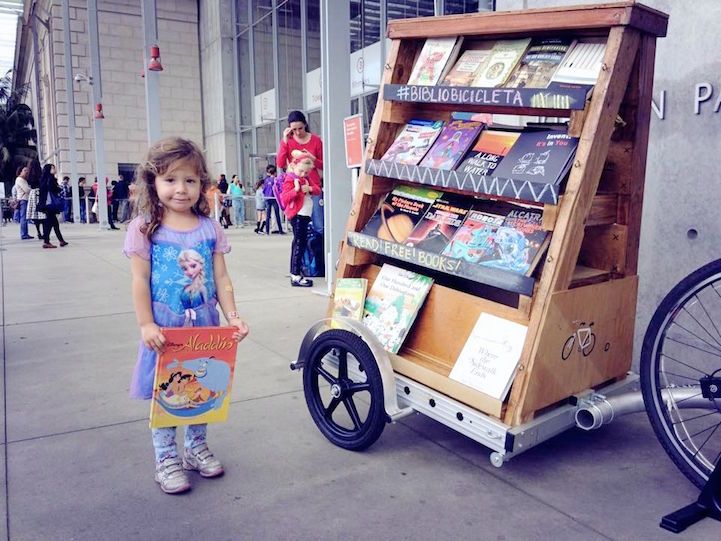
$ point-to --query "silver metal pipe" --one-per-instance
(600, 410)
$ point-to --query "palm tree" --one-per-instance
(17, 135)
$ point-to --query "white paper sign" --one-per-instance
(265, 110)
(313, 89)
(490, 356)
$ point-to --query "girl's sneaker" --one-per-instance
(200, 459)
(169, 473)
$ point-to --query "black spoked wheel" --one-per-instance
(343, 390)
(588, 346)
(568, 347)
(683, 345)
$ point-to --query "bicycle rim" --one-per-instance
(686, 334)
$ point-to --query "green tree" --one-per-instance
(17, 133)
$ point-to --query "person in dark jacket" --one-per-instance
(49, 184)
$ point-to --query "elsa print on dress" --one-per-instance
(194, 293)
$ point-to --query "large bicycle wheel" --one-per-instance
(344, 390)
(683, 345)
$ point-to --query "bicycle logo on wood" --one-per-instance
(584, 339)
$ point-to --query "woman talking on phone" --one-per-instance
(297, 137)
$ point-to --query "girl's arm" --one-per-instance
(150, 333)
(226, 299)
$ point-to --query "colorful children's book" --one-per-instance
(539, 156)
(583, 62)
(490, 356)
(413, 142)
(349, 298)
(520, 241)
(432, 64)
(540, 62)
(436, 229)
(399, 213)
(501, 62)
(193, 376)
(475, 239)
(452, 144)
(393, 303)
(469, 64)
(487, 153)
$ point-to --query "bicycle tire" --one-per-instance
(567, 348)
(589, 347)
(677, 349)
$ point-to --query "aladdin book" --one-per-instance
(539, 156)
(501, 62)
(393, 303)
(399, 213)
(469, 64)
(348, 299)
(452, 144)
(436, 55)
(487, 153)
(540, 62)
(435, 230)
(490, 356)
(193, 376)
(413, 142)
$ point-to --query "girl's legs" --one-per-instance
(197, 456)
(164, 443)
(168, 467)
(300, 240)
(239, 214)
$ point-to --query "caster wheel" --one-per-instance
(496, 459)
(343, 390)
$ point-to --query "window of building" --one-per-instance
(263, 47)
(403, 9)
(313, 34)
(290, 76)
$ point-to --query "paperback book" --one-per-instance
(399, 213)
(487, 153)
(500, 62)
(490, 356)
(452, 144)
(539, 156)
(519, 242)
(349, 298)
(436, 229)
(193, 376)
(432, 64)
(413, 142)
(540, 62)
(583, 62)
(393, 303)
(469, 64)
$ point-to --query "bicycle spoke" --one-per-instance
(674, 322)
(694, 418)
(699, 323)
(706, 440)
(331, 408)
(672, 339)
(343, 365)
(687, 398)
(358, 387)
(353, 412)
(666, 356)
(326, 375)
(691, 436)
(665, 373)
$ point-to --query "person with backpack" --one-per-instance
(271, 203)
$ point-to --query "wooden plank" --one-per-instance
(585, 276)
(609, 309)
(437, 378)
(575, 124)
(616, 178)
(550, 215)
(604, 247)
(530, 21)
(378, 185)
(604, 209)
(580, 190)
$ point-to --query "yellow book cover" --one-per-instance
(349, 298)
(193, 376)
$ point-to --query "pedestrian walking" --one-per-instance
(236, 195)
(259, 207)
(22, 189)
(172, 236)
(271, 204)
(49, 188)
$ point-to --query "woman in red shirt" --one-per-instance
(297, 137)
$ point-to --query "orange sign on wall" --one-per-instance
(353, 138)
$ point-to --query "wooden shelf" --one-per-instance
(502, 279)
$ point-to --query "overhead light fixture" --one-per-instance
(82, 77)
(154, 64)
(99, 111)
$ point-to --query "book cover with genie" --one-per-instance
(193, 376)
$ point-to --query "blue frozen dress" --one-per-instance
(182, 288)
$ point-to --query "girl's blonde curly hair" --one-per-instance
(161, 157)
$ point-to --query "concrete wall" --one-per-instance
(681, 178)
(121, 49)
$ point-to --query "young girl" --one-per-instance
(298, 188)
(260, 206)
(173, 245)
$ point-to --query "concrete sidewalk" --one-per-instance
(78, 453)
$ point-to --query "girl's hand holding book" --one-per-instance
(152, 337)
(242, 327)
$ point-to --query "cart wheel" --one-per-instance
(496, 459)
(341, 370)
